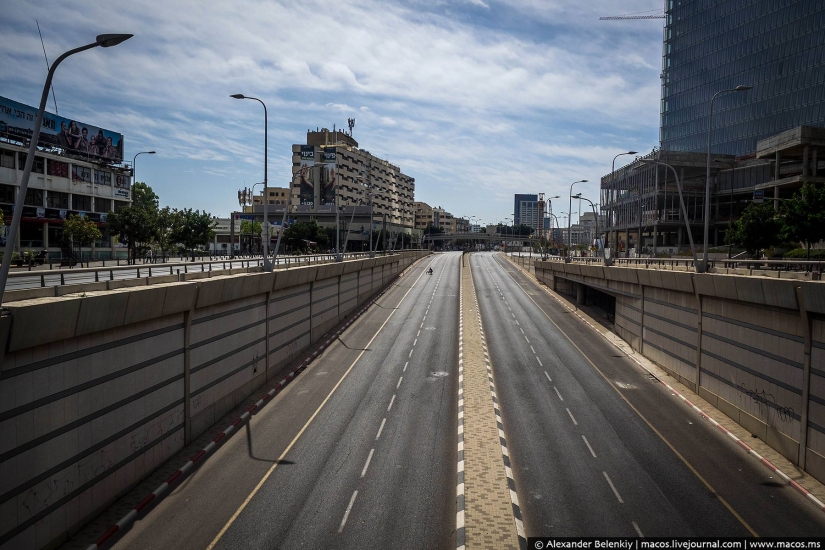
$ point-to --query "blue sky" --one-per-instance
(475, 99)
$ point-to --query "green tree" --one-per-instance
(144, 197)
(79, 231)
(296, 235)
(134, 227)
(756, 229)
(193, 228)
(803, 217)
(164, 227)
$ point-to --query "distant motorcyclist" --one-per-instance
(430, 271)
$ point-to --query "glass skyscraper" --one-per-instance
(775, 46)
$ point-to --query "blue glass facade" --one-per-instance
(775, 46)
(517, 204)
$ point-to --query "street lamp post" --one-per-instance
(682, 204)
(569, 219)
(612, 179)
(102, 40)
(267, 262)
(593, 206)
(704, 266)
(134, 160)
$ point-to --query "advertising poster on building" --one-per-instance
(77, 139)
(326, 176)
(306, 185)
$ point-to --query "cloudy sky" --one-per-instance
(475, 99)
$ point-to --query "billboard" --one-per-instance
(77, 139)
(306, 188)
(327, 174)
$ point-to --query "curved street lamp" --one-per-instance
(134, 160)
(569, 219)
(267, 262)
(704, 266)
(102, 40)
(612, 179)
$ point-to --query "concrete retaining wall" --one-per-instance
(754, 346)
(98, 389)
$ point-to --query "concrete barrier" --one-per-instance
(98, 387)
(754, 346)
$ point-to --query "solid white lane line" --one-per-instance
(391, 402)
(571, 417)
(639, 531)
(349, 509)
(615, 492)
(557, 393)
(405, 367)
(586, 442)
(380, 429)
(548, 377)
(399, 383)
(367, 463)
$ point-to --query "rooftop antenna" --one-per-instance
(351, 124)
(48, 67)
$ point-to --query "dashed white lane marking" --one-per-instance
(589, 448)
(539, 360)
(639, 531)
(421, 326)
(405, 367)
(534, 351)
(410, 355)
(525, 337)
(521, 329)
(349, 509)
(380, 429)
(399, 383)
(391, 402)
(615, 492)
(548, 377)
(571, 417)
(415, 342)
(558, 393)
(367, 463)
(513, 314)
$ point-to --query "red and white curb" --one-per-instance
(127, 520)
(632, 355)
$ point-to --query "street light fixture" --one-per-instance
(593, 206)
(704, 267)
(569, 219)
(612, 179)
(681, 203)
(267, 262)
(134, 160)
(102, 40)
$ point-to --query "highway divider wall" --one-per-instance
(99, 388)
(753, 346)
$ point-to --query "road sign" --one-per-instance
(759, 196)
(250, 217)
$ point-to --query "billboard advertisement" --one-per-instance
(326, 177)
(77, 139)
(306, 187)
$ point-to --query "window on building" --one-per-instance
(34, 197)
(55, 235)
(81, 174)
(6, 158)
(120, 204)
(102, 205)
(31, 235)
(39, 163)
(56, 199)
(82, 203)
(58, 169)
(103, 178)
(7, 194)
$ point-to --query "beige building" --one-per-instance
(438, 217)
(277, 195)
(423, 215)
(330, 164)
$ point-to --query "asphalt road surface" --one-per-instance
(358, 452)
(600, 449)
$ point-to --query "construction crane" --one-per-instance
(618, 17)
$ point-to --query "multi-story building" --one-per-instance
(462, 225)
(423, 215)
(70, 175)
(444, 220)
(525, 209)
(330, 164)
(762, 137)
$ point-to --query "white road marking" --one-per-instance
(539, 360)
(639, 531)
(381, 429)
(548, 376)
(410, 355)
(615, 492)
(525, 337)
(391, 402)
(422, 325)
(349, 509)
(367, 464)
(405, 367)
(557, 393)
(586, 442)
(531, 349)
(521, 329)
(415, 341)
(399, 383)
(571, 418)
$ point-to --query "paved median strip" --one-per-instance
(488, 513)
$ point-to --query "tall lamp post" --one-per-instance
(612, 179)
(102, 40)
(134, 160)
(593, 206)
(267, 262)
(570, 219)
(681, 203)
(704, 266)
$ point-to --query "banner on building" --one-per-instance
(306, 186)
(77, 139)
(327, 172)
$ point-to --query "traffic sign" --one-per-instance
(759, 195)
